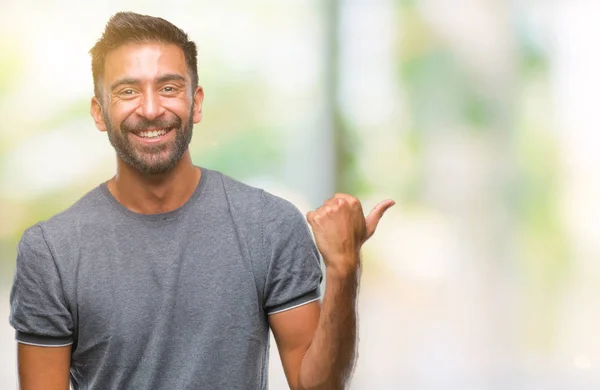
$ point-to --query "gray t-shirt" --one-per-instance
(176, 300)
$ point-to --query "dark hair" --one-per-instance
(128, 27)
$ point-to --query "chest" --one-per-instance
(163, 285)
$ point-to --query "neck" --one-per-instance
(153, 194)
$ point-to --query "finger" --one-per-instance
(333, 202)
(348, 198)
(351, 200)
(310, 216)
(375, 215)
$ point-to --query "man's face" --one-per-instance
(148, 108)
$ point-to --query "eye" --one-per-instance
(127, 92)
(169, 89)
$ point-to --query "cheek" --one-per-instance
(175, 104)
(125, 108)
(121, 112)
(181, 108)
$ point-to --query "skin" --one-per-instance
(44, 368)
(148, 84)
(318, 342)
(147, 99)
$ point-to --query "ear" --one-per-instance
(96, 111)
(198, 99)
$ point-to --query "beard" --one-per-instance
(151, 159)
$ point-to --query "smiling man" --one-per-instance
(169, 275)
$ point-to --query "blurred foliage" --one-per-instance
(545, 261)
(242, 156)
(72, 112)
(349, 177)
(441, 95)
(10, 64)
(435, 80)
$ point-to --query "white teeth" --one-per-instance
(152, 134)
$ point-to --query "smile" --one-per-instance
(153, 133)
(153, 136)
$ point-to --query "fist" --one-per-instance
(340, 228)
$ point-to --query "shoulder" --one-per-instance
(64, 226)
(254, 200)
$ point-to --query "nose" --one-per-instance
(151, 107)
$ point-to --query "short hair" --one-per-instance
(129, 27)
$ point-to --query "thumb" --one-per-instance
(375, 215)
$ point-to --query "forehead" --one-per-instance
(144, 61)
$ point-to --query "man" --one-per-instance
(168, 275)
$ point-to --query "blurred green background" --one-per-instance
(477, 117)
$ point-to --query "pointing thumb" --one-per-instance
(375, 215)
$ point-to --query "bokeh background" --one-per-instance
(479, 117)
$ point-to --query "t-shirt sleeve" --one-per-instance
(38, 311)
(294, 271)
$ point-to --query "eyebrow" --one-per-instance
(133, 81)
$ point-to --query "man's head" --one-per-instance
(128, 27)
(146, 90)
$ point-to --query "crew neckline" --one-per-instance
(166, 216)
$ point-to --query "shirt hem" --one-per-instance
(293, 307)
(43, 345)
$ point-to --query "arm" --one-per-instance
(328, 359)
(43, 368)
(317, 344)
(293, 331)
(40, 316)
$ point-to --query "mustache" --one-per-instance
(143, 124)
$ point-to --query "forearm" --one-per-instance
(330, 359)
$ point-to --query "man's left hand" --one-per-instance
(340, 229)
